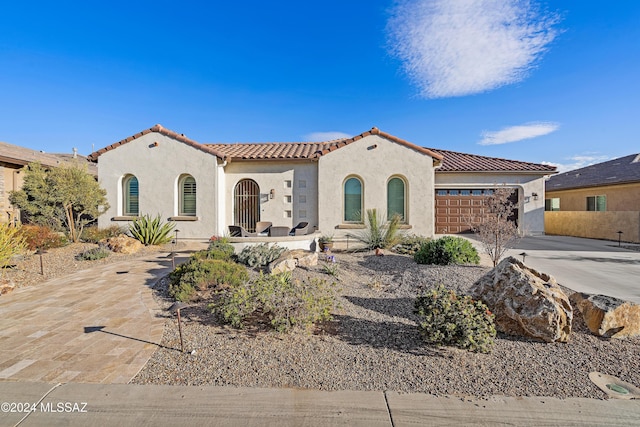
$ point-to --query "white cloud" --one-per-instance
(579, 161)
(461, 47)
(518, 133)
(325, 136)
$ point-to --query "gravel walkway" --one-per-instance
(373, 344)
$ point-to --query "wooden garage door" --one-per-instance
(456, 209)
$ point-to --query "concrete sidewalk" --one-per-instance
(138, 405)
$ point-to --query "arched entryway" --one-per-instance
(246, 207)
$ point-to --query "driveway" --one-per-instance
(584, 265)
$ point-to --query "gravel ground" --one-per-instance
(373, 344)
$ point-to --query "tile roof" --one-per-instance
(463, 162)
(622, 170)
(14, 154)
(305, 150)
(163, 131)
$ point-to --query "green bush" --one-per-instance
(199, 274)
(41, 237)
(447, 250)
(448, 319)
(94, 254)
(12, 242)
(285, 303)
(218, 249)
(151, 231)
(410, 244)
(95, 234)
(260, 255)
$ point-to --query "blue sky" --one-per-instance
(553, 81)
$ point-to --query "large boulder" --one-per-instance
(608, 316)
(289, 260)
(123, 244)
(525, 302)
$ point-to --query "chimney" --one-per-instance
(75, 153)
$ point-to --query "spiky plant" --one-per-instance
(151, 231)
(379, 234)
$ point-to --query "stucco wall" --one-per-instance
(594, 225)
(374, 160)
(158, 169)
(295, 186)
(531, 211)
(11, 178)
(624, 197)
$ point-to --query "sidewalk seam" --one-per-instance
(38, 403)
(386, 401)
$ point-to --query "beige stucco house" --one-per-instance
(13, 160)
(596, 201)
(329, 185)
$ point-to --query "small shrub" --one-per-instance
(96, 234)
(284, 302)
(42, 237)
(260, 255)
(151, 231)
(12, 242)
(447, 250)
(219, 249)
(448, 319)
(410, 244)
(199, 274)
(94, 254)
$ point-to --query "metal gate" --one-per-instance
(246, 212)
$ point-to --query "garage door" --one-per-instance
(456, 209)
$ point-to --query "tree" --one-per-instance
(66, 196)
(495, 230)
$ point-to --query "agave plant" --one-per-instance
(151, 231)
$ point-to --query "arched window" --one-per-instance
(353, 200)
(396, 198)
(131, 193)
(187, 196)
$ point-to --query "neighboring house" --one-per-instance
(330, 185)
(13, 159)
(596, 201)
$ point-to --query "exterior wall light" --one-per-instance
(535, 196)
(272, 193)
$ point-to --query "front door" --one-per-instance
(246, 211)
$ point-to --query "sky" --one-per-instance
(554, 82)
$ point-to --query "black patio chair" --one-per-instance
(239, 231)
(300, 230)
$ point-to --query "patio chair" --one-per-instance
(239, 231)
(300, 230)
(262, 227)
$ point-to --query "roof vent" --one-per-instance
(637, 159)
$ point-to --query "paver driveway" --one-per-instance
(99, 325)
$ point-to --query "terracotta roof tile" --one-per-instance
(304, 150)
(463, 162)
(163, 131)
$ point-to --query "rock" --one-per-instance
(608, 316)
(6, 287)
(305, 258)
(282, 264)
(289, 260)
(123, 244)
(525, 302)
